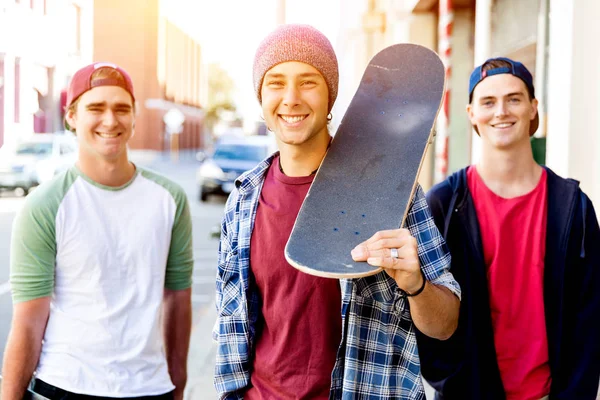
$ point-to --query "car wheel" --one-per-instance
(20, 192)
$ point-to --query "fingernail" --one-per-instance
(357, 252)
(374, 261)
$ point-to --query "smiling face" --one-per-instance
(502, 111)
(103, 120)
(295, 103)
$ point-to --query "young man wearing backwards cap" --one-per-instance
(525, 250)
(283, 334)
(101, 265)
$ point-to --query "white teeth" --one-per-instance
(293, 119)
(108, 135)
(504, 125)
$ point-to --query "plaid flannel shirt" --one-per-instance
(377, 358)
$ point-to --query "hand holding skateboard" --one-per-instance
(404, 266)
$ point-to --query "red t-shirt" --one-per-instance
(299, 335)
(513, 234)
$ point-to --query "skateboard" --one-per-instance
(368, 177)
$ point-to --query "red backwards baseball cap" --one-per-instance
(81, 82)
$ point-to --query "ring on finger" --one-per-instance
(394, 253)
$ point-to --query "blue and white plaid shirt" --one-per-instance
(377, 358)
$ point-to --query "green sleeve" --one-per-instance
(180, 263)
(33, 249)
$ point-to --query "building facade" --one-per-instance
(41, 43)
(164, 63)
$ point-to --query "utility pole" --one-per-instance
(446, 22)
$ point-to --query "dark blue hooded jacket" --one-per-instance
(464, 366)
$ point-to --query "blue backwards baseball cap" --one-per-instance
(517, 69)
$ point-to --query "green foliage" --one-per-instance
(220, 93)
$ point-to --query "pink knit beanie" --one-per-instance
(297, 43)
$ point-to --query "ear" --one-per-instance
(71, 118)
(534, 109)
(469, 109)
(471, 117)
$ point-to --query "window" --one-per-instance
(240, 152)
(34, 148)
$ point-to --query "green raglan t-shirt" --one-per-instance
(105, 256)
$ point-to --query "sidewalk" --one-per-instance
(201, 359)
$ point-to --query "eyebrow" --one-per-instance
(103, 104)
(507, 95)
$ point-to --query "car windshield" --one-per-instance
(34, 148)
(240, 152)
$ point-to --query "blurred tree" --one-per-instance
(220, 95)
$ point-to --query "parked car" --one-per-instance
(231, 157)
(36, 159)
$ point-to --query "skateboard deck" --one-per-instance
(368, 177)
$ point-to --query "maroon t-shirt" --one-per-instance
(300, 331)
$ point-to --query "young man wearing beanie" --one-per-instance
(524, 245)
(283, 334)
(101, 264)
